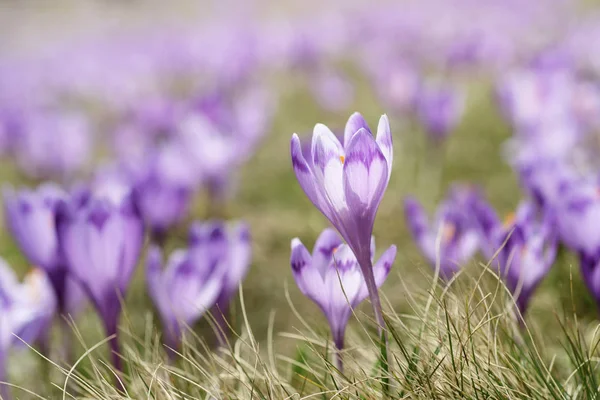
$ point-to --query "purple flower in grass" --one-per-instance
(577, 213)
(101, 242)
(53, 144)
(229, 248)
(439, 109)
(452, 227)
(526, 249)
(346, 182)
(31, 219)
(332, 278)
(26, 311)
(163, 189)
(183, 291)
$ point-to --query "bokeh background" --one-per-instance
(312, 61)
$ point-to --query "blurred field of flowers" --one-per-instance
(146, 164)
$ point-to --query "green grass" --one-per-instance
(445, 344)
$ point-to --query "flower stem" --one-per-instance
(220, 314)
(115, 351)
(339, 359)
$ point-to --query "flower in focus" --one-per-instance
(101, 242)
(452, 226)
(26, 312)
(439, 109)
(183, 291)
(332, 278)
(346, 182)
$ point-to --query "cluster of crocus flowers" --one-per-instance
(451, 239)
(201, 277)
(332, 278)
(26, 311)
(346, 182)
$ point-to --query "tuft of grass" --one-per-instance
(460, 340)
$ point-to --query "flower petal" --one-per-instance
(354, 124)
(306, 178)
(385, 142)
(365, 174)
(307, 277)
(328, 241)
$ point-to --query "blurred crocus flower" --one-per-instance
(439, 109)
(332, 90)
(346, 182)
(452, 227)
(31, 219)
(101, 242)
(227, 247)
(220, 136)
(53, 144)
(26, 311)
(526, 249)
(332, 278)
(183, 291)
(163, 188)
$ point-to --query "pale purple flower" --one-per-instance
(452, 228)
(346, 182)
(31, 219)
(163, 188)
(577, 212)
(526, 249)
(183, 291)
(53, 143)
(332, 90)
(101, 242)
(332, 278)
(439, 109)
(227, 247)
(26, 311)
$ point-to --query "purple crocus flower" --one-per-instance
(346, 182)
(26, 311)
(101, 242)
(332, 278)
(31, 219)
(53, 144)
(163, 189)
(183, 291)
(229, 248)
(458, 235)
(439, 109)
(526, 251)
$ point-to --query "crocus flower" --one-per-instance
(31, 219)
(183, 291)
(229, 248)
(577, 213)
(526, 250)
(332, 278)
(101, 242)
(163, 188)
(439, 109)
(458, 235)
(53, 144)
(25, 313)
(346, 182)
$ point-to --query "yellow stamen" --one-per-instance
(342, 159)
(335, 249)
(32, 281)
(448, 231)
(509, 220)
